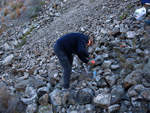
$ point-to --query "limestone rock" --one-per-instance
(8, 60)
(103, 100)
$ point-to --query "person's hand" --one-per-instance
(92, 62)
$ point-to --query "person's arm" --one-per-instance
(83, 58)
(82, 50)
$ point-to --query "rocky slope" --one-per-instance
(30, 69)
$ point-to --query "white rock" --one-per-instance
(131, 34)
(31, 108)
(73, 112)
(104, 31)
(6, 46)
(103, 99)
(8, 60)
(113, 108)
(30, 96)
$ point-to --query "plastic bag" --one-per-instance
(140, 14)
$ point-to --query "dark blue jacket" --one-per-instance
(74, 43)
(145, 1)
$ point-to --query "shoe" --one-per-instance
(147, 22)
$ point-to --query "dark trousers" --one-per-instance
(66, 63)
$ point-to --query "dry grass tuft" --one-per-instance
(5, 12)
(23, 7)
(18, 12)
(3, 19)
(12, 15)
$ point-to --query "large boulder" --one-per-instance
(58, 97)
(103, 100)
(133, 78)
(83, 96)
(117, 94)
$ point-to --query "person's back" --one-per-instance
(72, 42)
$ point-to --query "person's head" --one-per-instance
(90, 41)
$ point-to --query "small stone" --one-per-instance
(103, 100)
(114, 67)
(25, 31)
(45, 109)
(104, 31)
(112, 79)
(44, 99)
(106, 64)
(132, 79)
(31, 108)
(8, 60)
(146, 94)
(131, 34)
(30, 96)
(113, 108)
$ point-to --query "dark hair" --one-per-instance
(91, 37)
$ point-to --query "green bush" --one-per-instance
(22, 42)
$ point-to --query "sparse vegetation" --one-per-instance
(23, 7)
(42, 2)
(17, 5)
(24, 38)
(22, 42)
(5, 12)
(12, 15)
(14, 6)
(125, 13)
(35, 9)
(3, 19)
(18, 12)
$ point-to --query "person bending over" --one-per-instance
(65, 47)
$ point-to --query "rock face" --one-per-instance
(31, 70)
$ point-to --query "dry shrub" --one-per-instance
(3, 19)
(8, 3)
(18, 1)
(12, 15)
(12, 5)
(18, 12)
(5, 12)
(23, 7)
